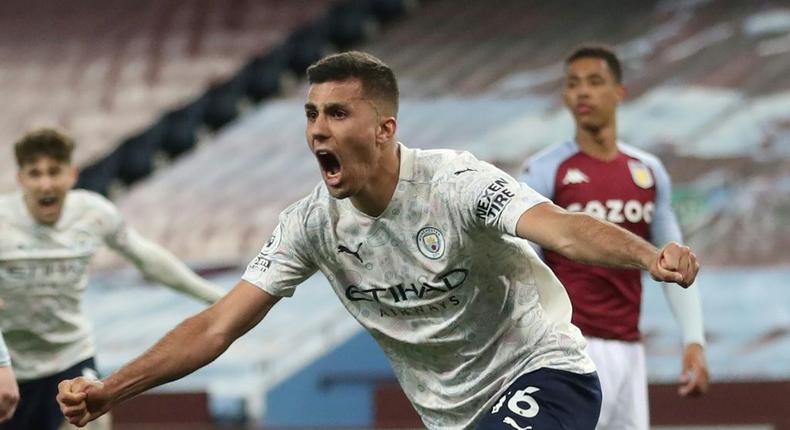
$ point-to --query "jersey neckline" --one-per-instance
(405, 173)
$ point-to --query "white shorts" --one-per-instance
(621, 370)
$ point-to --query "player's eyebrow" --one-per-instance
(577, 76)
(330, 105)
(344, 105)
(336, 105)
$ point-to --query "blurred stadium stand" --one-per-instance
(106, 70)
(708, 92)
(723, 143)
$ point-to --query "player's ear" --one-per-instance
(386, 129)
(74, 174)
(622, 93)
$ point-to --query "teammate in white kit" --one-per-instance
(424, 249)
(48, 233)
(597, 174)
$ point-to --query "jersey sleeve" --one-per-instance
(5, 358)
(283, 262)
(664, 227)
(112, 226)
(492, 199)
(538, 176)
(685, 304)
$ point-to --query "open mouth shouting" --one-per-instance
(48, 206)
(331, 168)
(46, 209)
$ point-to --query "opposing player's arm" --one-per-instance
(160, 265)
(685, 304)
(194, 343)
(537, 177)
(586, 239)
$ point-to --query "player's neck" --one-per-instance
(600, 144)
(374, 198)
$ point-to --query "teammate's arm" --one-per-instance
(685, 304)
(9, 391)
(194, 343)
(584, 238)
(160, 265)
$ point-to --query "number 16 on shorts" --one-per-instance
(547, 399)
(520, 403)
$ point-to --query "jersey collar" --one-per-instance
(407, 157)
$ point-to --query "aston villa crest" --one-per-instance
(641, 175)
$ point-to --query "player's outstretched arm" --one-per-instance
(584, 238)
(160, 265)
(194, 343)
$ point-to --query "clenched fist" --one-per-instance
(675, 263)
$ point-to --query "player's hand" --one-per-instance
(9, 393)
(675, 263)
(694, 379)
(82, 400)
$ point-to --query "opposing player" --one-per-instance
(425, 250)
(597, 175)
(48, 234)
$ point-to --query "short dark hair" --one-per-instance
(42, 142)
(377, 78)
(598, 51)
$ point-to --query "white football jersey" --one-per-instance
(43, 273)
(460, 306)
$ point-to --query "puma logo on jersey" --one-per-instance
(342, 249)
(575, 176)
(616, 210)
(463, 171)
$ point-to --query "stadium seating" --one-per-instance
(104, 71)
(504, 106)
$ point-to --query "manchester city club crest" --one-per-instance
(430, 242)
(641, 175)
